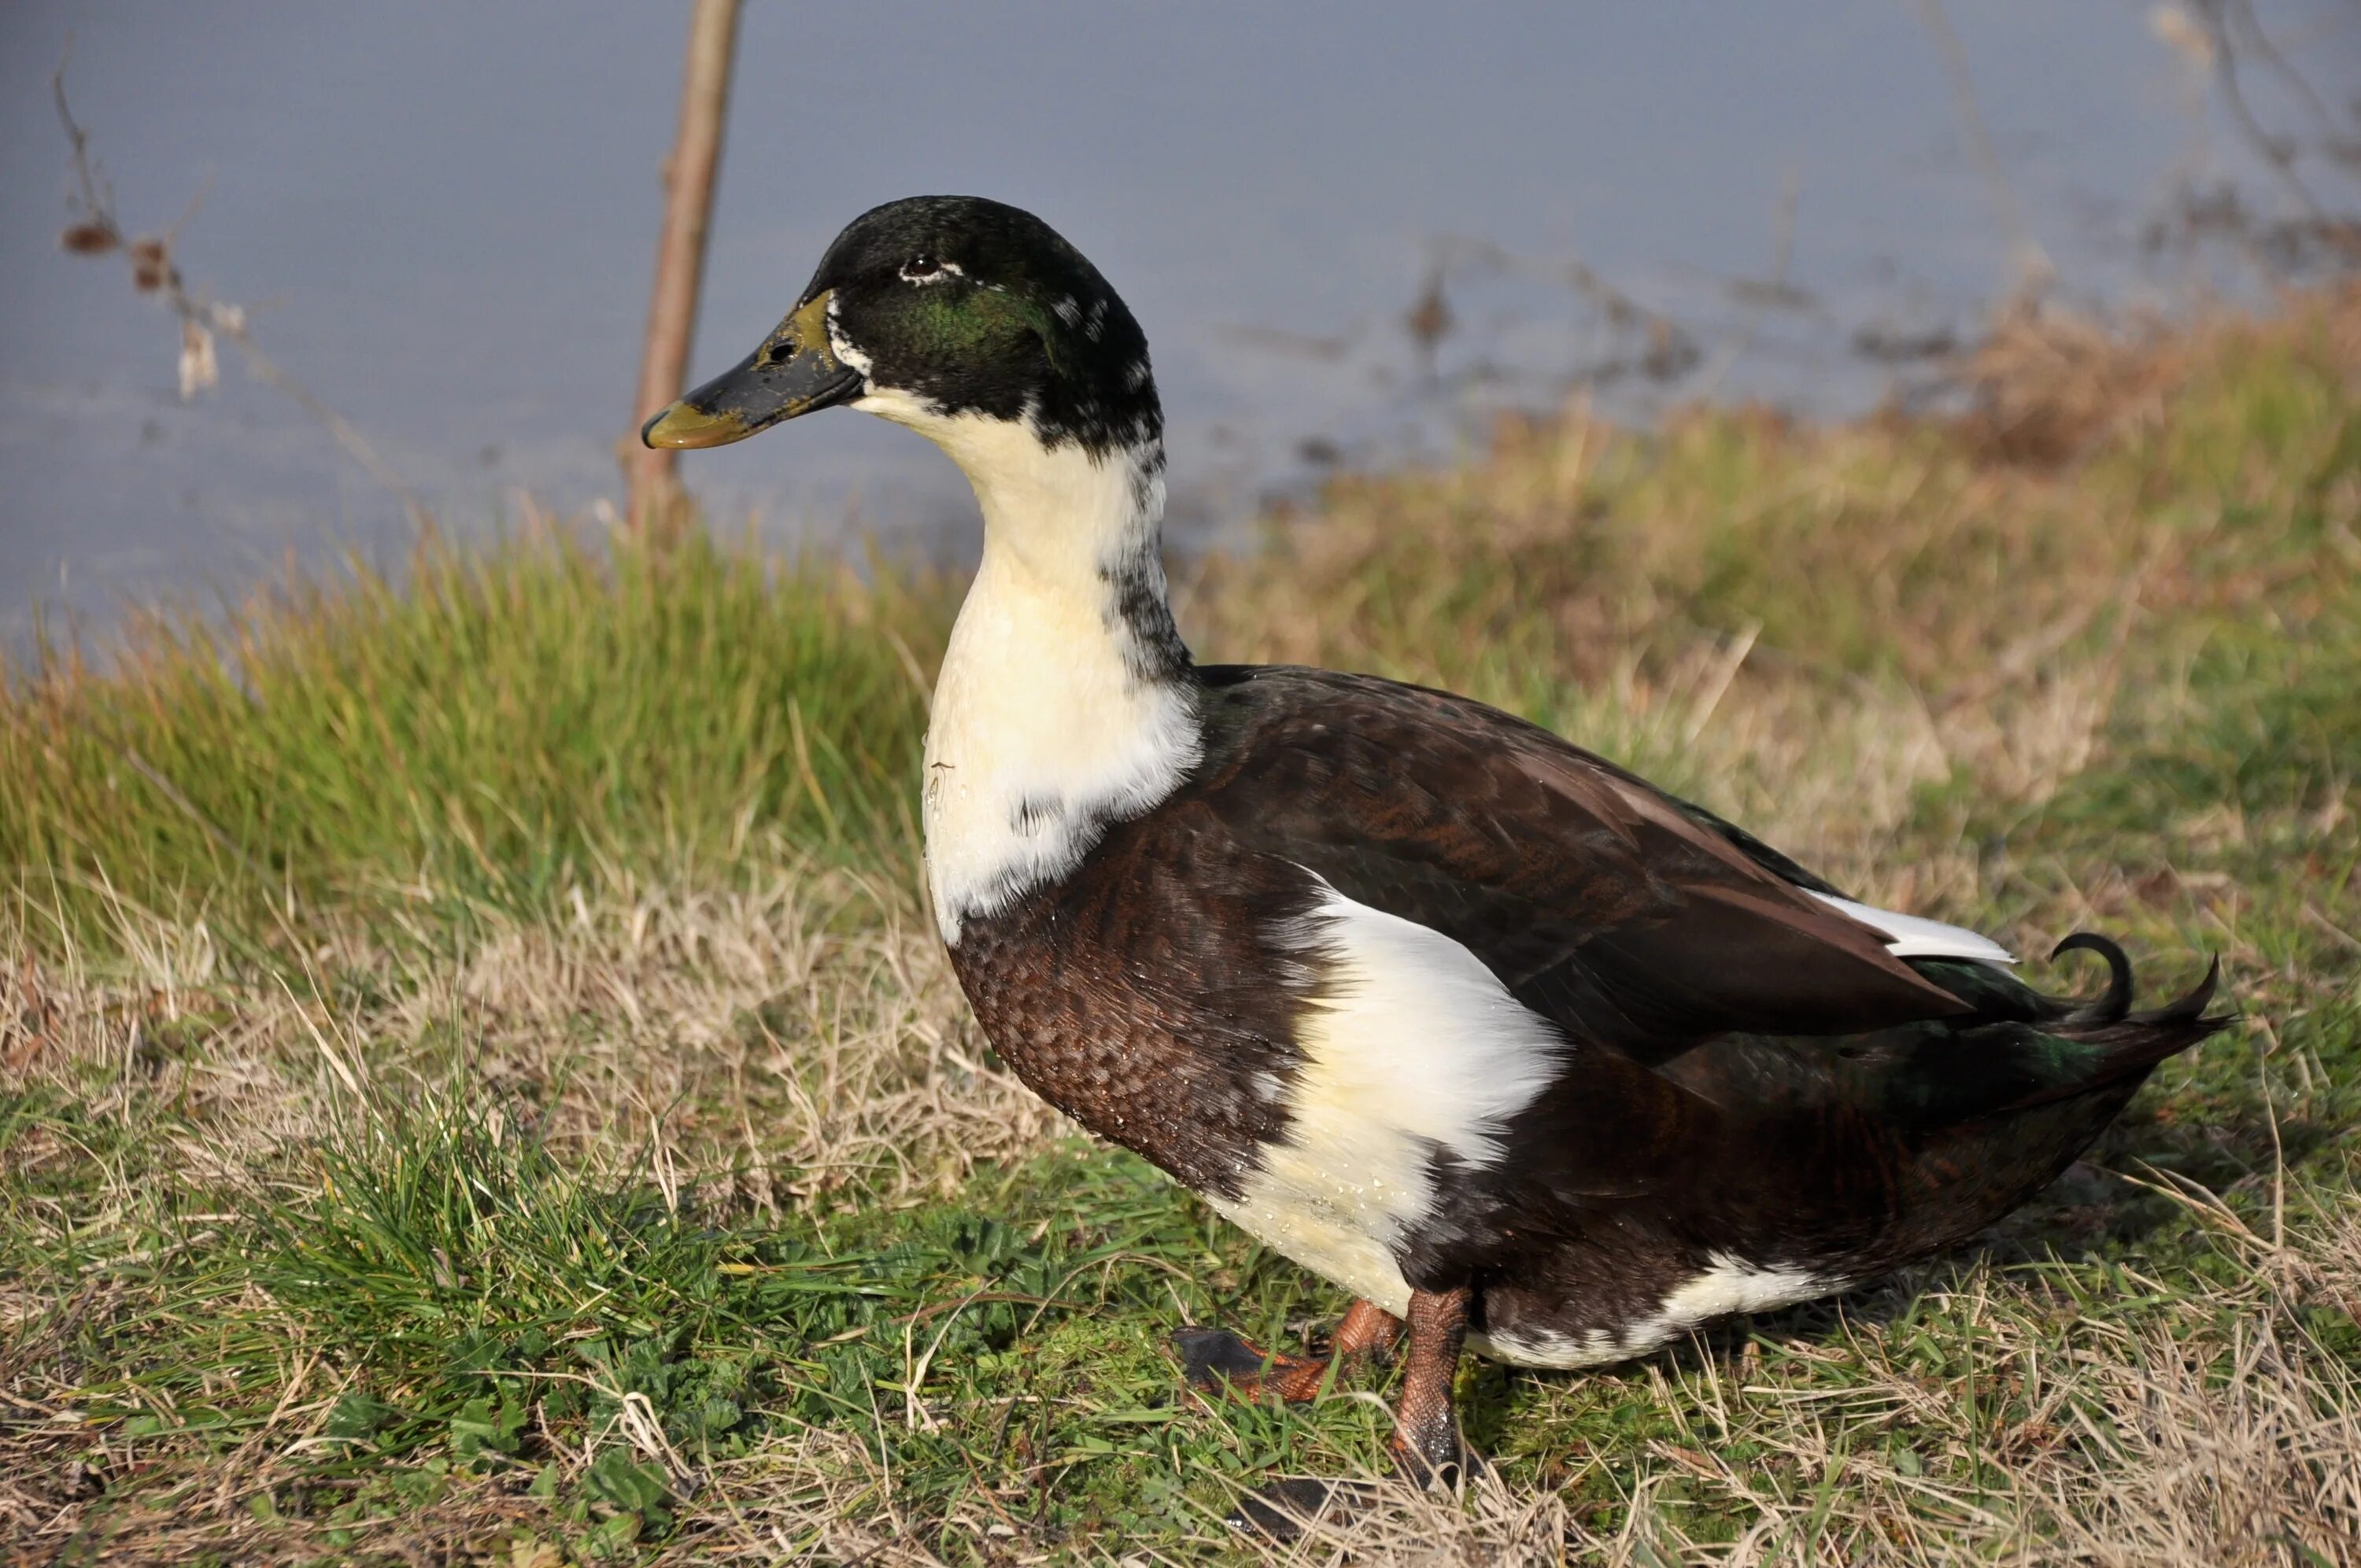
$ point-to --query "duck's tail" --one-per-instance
(2127, 1041)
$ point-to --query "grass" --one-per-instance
(475, 1084)
(487, 737)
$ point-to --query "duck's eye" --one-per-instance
(921, 268)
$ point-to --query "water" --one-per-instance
(443, 221)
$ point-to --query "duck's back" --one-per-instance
(1419, 993)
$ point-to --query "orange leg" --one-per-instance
(1367, 1333)
(1215, 1359)
(1426, 1444)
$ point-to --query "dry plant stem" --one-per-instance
(201, 321)
(2220, 17)
(689, 176)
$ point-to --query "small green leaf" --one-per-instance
(622, 1483)
(358, 1416)
(619, 1530)
(487, 1424)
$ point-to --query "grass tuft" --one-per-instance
(487, 734)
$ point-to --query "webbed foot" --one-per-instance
(1215, 1360)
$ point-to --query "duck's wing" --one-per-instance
(1621, 914)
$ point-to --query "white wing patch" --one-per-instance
(1413, 1045)
(1913, 936)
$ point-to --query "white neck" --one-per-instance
(1064, 701)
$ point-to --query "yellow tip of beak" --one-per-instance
(684, 428)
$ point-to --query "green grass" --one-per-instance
(490, 1308)
(475, 1082)
(487, 734)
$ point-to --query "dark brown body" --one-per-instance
(1874, 1111)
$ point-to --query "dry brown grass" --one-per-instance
(2205, 1436)
(796, 1044)
(654, 1019)
(2048, 385)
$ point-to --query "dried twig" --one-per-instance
(96, 231)
(2218, 38)
(2277, 151)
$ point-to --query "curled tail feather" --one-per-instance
(2084, 1020)
(2189, 1008)
(2129, 1041)
(2116, 1001)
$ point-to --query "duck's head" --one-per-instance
(953, 315)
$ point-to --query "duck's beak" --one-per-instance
(793, 373)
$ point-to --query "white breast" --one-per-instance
(1041, 729)
(1038, 736)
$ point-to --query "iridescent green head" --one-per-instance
(954, 304)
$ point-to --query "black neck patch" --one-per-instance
(982, 308)
(1152, 650)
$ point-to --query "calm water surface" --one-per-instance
(443, 220)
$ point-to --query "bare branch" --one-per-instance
(96, 231)
(2241, 13)
(94, 199)
(2277, 151)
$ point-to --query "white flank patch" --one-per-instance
(1912, 937)
(1413, 1045)
(1727, 1285)
(1038, 732)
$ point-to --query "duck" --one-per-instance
(1529, 1056)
